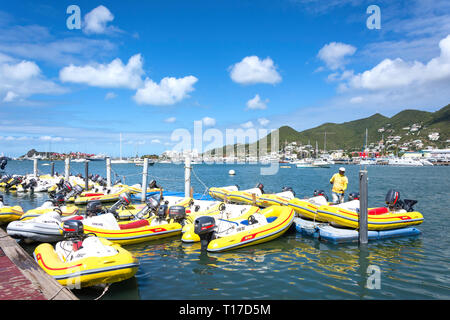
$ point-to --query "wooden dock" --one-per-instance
(21, 278)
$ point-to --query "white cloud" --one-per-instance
(252, 70)
(21, 79)
(334, 53)
(356, 99)
(112, 75)
(156, 141)
(50, 138)
(10, 96)
(397, 73)
(257, 103)
(209, 122)
(263, 121)
(96, 20)
(170, 120)
(110, 95)
(247, 125)
(169, 91)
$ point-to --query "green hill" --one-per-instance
(350, 136)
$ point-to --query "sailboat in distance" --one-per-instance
(120, 160)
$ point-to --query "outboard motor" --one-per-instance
(153, 185)
(320, 193)
(260, 186)
(94, 207)
(162, 211)
(72, 229)
(1, 199)
(393, 199)
(177, 213)
(58, 200)
(153, 203)
(288, 189)
(205, 227)
(353, 196)
(101, 181)
(3, 163)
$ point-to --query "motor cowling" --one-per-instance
(177, 213)
(153, 184)
(162, 211)
(152, 203)
(94, 207)
(392, 198)
(205, 227)
(72, 229)
(353, 196)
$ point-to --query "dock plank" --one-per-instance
(21, 278)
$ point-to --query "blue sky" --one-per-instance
(146, 68)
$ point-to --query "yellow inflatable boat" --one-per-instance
(228, 212)
(275, 199)
(87, 261)
(248, 196)
(8, 214)
(398, 214)
(307, 208)
(261, 227)
(222, 192)
(49, 206)
(167, 222)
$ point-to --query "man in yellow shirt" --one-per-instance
(339, 182)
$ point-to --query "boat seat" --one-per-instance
(134, 224)
(376, 211)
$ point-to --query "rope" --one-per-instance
(104, 291)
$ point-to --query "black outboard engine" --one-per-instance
(320, 193)
(72, 229)
(205, 227)
(1, 199)
(94, 207)
(177, 213)
(101, 181)
(153, 185)
(260, 186)
(58, 200)
(3, 163)
(394, 203)
(353, 196)
(393, 199)
(284, 189)
(162, 211)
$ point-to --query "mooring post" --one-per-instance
(67, 169)
(35, 167)
(108, 172)
(52, 171)
(363, 204)
(187, 176)
(144, 180)
(86, 175)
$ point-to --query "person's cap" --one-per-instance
(342, 169)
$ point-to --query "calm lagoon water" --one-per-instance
(292, 266)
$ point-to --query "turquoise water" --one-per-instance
(292, 266)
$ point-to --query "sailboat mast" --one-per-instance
(121, 146)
